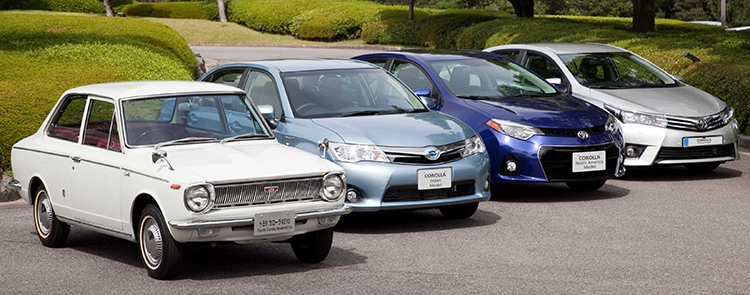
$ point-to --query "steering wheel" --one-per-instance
(306, 106)
(152, 131)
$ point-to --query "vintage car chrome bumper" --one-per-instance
(343, 210)
(15, 184)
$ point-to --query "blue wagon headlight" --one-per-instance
(513, 129)
(629, 117)
(357, 152)
(473, 145)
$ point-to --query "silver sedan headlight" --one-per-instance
(473, 145)
(334, 186)
(513, 129)
(628, 117)
(357, 152)
(199, 198)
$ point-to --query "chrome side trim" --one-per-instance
(343, 210)
(101, 164)
(146, 175)
(97, 228)
(40, 151)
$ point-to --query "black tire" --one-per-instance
(702, 167)
(159, 252)
(462, 211)
(51, 231)
(313, 247)
(585, 186)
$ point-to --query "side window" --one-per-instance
(66, 124)
(206, 116)
(542, 65)
(411, 75)
(228, 77)
(99, 125)
(377, 61)
(262, 90)
(238, 117)
(509, 54)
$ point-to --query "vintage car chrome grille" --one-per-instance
(406, 155)
(705, 123)
(267, 192)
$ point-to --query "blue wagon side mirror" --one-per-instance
(424, 96)
(267, 111)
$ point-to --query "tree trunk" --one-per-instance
(523, 8)
(108, 8)
(411, 9)
(222, 11)
(643, 16)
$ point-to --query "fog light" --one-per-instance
(630, 152)
(487, 184)
(327, 220)
(511, 166)
(353, 196)
(633, 151)
(207, 232)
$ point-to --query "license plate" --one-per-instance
(434, 178)
(273, 223)
(589, 161)
(700, 141)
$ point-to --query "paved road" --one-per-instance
(658, 231)
(218, 55)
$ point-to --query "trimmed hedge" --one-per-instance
(190, 10)
(42, 55)
(85, 6)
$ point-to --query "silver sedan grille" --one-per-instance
(267, 192)
(705, 123)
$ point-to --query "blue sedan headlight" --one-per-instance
(473, 145)
(513, 129)
(357, 152)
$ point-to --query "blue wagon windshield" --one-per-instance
(203, 117)
(351, 92)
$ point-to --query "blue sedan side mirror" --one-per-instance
(424, 96)
(557, 83)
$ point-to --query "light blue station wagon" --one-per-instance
(397, 154)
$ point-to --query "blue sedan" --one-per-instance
(533, 132)
(397, 154)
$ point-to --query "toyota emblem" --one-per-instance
(583, 135)
(271, 189)
(702, 124)
(432, 154)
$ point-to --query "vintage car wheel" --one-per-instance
(462, 211)
(159, 252)
(313, 247)
(51, 232)
(702, 167)
(591, 185)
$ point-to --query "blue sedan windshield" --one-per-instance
(471, 78)
(350, 92)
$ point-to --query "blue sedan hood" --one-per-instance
(404, 130)
(559, 112)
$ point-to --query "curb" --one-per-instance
(744, 141)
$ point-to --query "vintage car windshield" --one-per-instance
(494, 78)
(349, 92)
(615, 70)
(198, 117)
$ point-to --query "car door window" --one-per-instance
(542, 65)
(99, 125)
(377, 61)
(509, 54)
(229, 77)
(67, 122)
(262, 90)
(238, 116)
(206, 116)
(411, 75)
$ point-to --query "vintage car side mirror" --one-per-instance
(424, 96)
(160, 154)
(267, 111)
(323, 147)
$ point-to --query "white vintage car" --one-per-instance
(167, 163)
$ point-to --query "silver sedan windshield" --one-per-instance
(615, 70)
(187, 119)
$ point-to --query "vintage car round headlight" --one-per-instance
(197, 198)
(333, 187)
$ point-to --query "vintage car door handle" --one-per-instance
(76, 159)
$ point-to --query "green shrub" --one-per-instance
(275, 15)
(184, 10)
(86, 6)
(42, 55)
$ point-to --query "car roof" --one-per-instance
(430, 55)
(301, 65)
(132, 89)
(564, 48)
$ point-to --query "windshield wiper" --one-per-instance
(362, 113)
(477, 97)
(244, 136)
(183, 140)
(603, 87)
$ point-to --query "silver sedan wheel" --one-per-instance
(151, 242)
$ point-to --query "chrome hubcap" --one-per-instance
(151, 242)
(44, 214)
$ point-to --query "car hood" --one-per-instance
(684, 101)
(242, 161)
(406, 130)
(559, 112)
